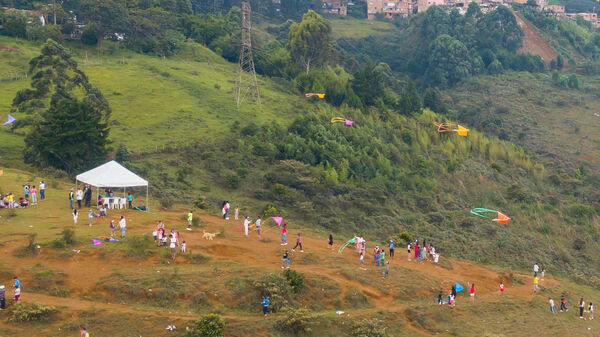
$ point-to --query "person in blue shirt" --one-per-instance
(17, 283)
(391, 246)
(265, 304)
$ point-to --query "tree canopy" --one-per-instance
(309, 40)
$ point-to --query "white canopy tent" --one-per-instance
(112, 174)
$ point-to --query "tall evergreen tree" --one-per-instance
(70, 136)
(69, 127)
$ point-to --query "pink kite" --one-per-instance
(96, 242)
(10, 120)
(277, 219)
(349, 122)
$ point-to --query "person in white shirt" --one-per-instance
(246, 224)
(123, 226)
(536, 269)
(183, 247)
(42, 190)
(551, 301)
(173, 246)
(79, 197)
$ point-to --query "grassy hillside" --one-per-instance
(387, 174)
(130, 287)
(161, 101)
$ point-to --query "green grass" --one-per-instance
(358, 29)
(158, 101)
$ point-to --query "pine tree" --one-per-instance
(69, 136)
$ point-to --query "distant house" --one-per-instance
(389, 8)
(423, 5)
(591, 17)
(556, 9)
(339, 7)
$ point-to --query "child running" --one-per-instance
(563, 303)
(298, 243)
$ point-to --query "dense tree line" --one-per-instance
(439, 47)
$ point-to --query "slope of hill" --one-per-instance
(130, 287)
(533, 43)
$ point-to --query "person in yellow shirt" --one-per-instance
(536, 280)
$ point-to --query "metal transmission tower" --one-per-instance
(246, 82)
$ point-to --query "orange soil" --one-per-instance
(533, 43)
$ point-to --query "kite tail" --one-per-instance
(345, 245)
(135, 207)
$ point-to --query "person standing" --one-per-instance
(130, 200)
(362, 259)
(246, 224)
(183, 247)
(581, 307)
(17, 289)
(591, 310)
(416, 252)
(391, 246)
(409, 254)
(453, 291)
(265, 305)
(439, 299)
(331, 241)
(387, 269)
(87, 195)
(75, 215)
(536, 280)
(563, 303)
(173, 246)
(79, 196)
(286, 260)
(26, 190)
(236, 213)
(376, 256)
(112, 228)
(42, 190)
(123, 226)
(71, 197)
(2, 298)
(551, 301)
(472, 292)
(33, 195)
(536, 269)
(226, 210)
(283, 235)
(382, 257)
(502, 289)
(190, 218)
(257, 224)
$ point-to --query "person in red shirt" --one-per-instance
(416, 251)
(283, 234)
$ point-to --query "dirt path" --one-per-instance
(533, 43)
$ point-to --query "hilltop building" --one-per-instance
(337, 7)
(389, 8)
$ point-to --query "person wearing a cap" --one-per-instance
(2, 298)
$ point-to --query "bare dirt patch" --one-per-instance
(4, 47)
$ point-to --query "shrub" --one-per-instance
(232, 181)
(29, 312)
(579, 244)
(30, 249)
(165, 202)
(197, 258)
(296, 280)
(68, 236)
(139, 247)
(211, 325)
(581, 211)
(368, 328)
(201, 202)
(276, 288)
(406, 237)
(355, 298)
(296, 322)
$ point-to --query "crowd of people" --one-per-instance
(29, 198)
(173, 239)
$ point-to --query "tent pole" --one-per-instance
(146, 197)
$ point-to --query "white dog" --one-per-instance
(208, 236)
